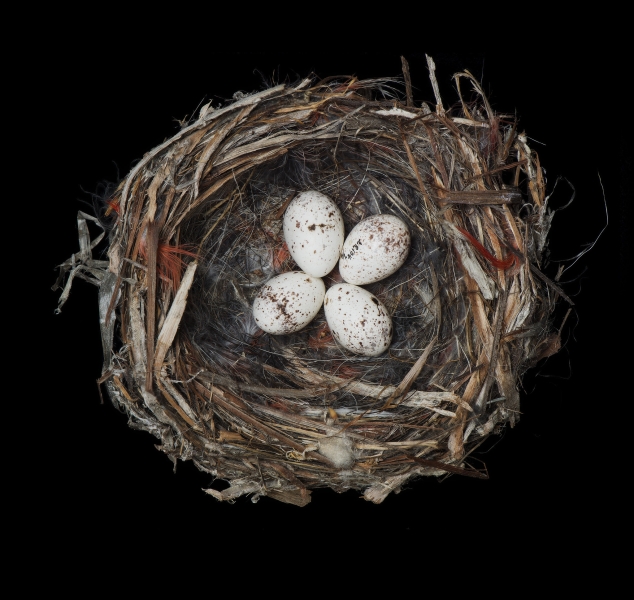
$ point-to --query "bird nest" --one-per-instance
(195, 230)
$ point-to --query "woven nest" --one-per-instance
(196, 231)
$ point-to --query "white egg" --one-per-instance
(357, 319)
(374, 249)
(314, 232)
(288, 302)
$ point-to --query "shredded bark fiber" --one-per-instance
(197, 230)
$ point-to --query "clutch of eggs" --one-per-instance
(314, 233)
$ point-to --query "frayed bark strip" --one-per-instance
(483, 197)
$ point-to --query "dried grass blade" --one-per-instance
(174, 316)
(414, 165)
(551, 284)
(490, 172)
(434, 84)
(176, 406)
(408, 82)
(157, 181)
(401, 390)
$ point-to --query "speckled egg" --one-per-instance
(314, 232)
(357, 319)
(374, 249)
(288, 302)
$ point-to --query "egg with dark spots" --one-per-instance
(288, 302)
(314, 232)
(358, 320)
(374, 249)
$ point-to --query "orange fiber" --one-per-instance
(113, 205)
(169, 261)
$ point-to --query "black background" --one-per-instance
(112, 103)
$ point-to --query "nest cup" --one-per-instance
(196, 230)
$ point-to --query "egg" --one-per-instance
(374, 249)
(288, 302)
(314, 232)
(357, 319)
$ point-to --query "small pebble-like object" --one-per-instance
(357, 319)
(374, 249)
(288, 302)
(314, 232)
(338, 449)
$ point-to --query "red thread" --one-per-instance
(496, 262)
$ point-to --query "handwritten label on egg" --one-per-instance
(352, 252)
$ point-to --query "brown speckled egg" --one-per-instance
(288, 302)
(374, 249)
(314, 232)
(358, 320)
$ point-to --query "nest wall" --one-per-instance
(197, 230)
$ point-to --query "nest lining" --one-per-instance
(197, 230)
